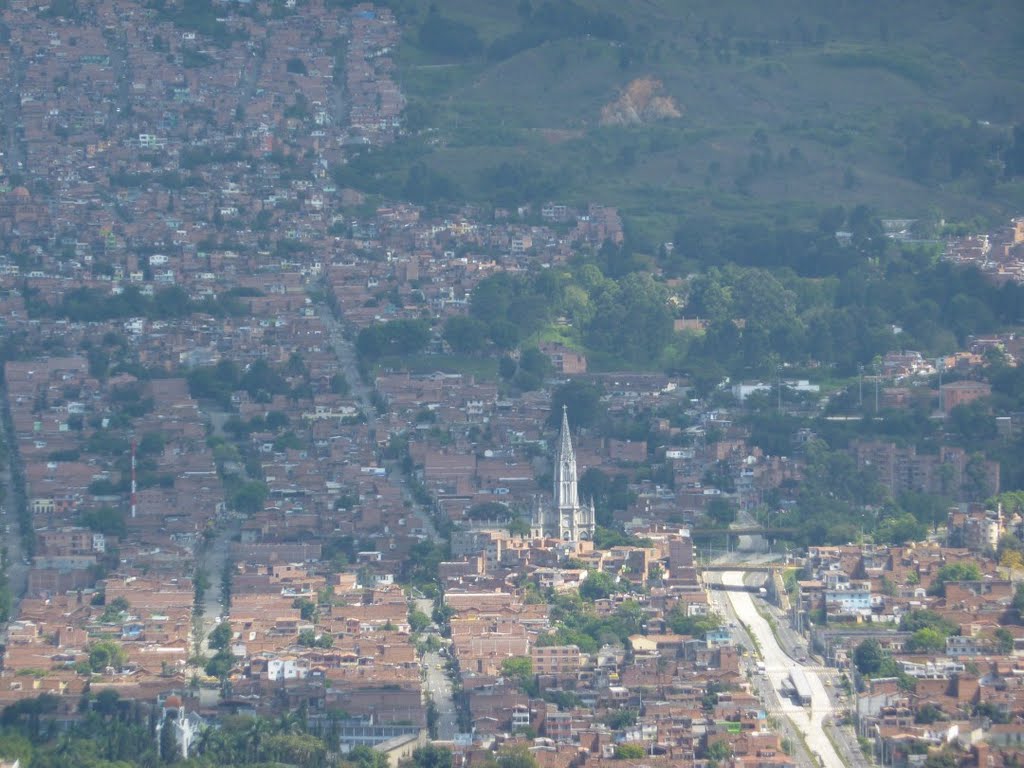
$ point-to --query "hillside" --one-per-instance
(775, 108)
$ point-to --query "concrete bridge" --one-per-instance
(777, 533)
(745, 567)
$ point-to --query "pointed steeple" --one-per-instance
(566, 492)
(565, 450)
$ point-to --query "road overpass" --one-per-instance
(770, 532)
(745, 567)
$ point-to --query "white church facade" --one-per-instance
(564, 517)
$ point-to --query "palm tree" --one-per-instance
(291, 723)
(254, 734)
(207, 741)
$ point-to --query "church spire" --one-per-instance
(566, 492)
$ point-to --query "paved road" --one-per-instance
(436, 684)
(10, 526)
(762, 686)
(212, 558)
(808, 720)
(439, 688)
(15, 158)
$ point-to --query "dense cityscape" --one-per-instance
(300, 469)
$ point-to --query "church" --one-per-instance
(564, 517)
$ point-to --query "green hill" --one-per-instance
(784, 106)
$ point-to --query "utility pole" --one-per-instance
(877, 377)
(778, 384)
(860, 386)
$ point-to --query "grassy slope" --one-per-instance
(829, 79)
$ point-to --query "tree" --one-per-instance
(431, 756)
(722, 511)
(104, 520)
(597, 586)
(954, 572)
(900, 529)
(398, 337)
(489, 510)
(220, 636)
(114, 610)
(465, 335)
(339, 384)
(927, 640)
(621, 718)
(868, 657)
(365, 757)
(418, 620)
(106, 653)
(220, 664)
(534, 362)
(1004, 640)
(151, 444)
(697, 626)
(307, 608)
(447, 37)
(168, 744)
(250, 497)
(719, 751)
(516, 756)
(582, 401)
(630, 751)
(924, 618)
(944, 758)
(632, 320)
(1018, 600)
(518, 669)
(277, 420)
(929, 713)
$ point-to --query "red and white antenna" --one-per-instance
(133, 478)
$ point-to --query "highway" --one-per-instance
(809, 721)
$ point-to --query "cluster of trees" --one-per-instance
(114, 731)
(453, 39)
(872, 660)
(770, 297)
(447, 37)
(941, 150)
(627, 319)
(837, 502)
(397, 337)
(260, 379)
(578, 624)
(173, 302)
(759, 316)
(554, 21)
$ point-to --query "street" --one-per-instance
(13, 549)
(807, 720)
(439, 689)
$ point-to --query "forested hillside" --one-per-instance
(747, 111)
